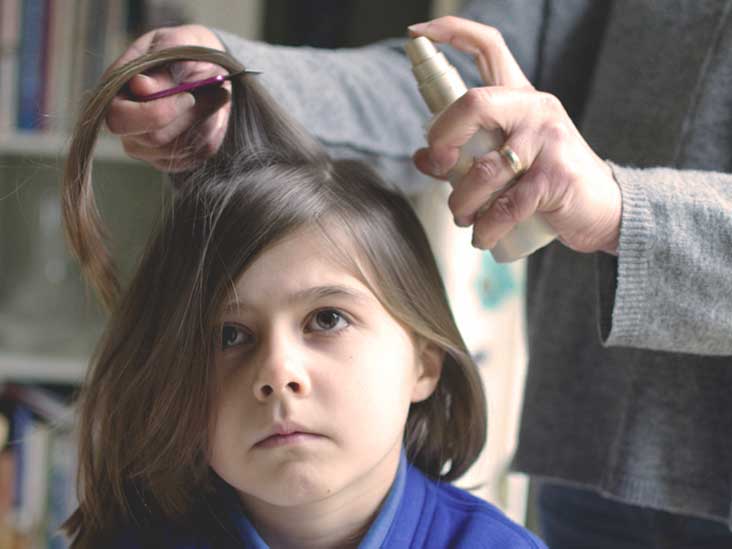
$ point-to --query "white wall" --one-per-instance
(445, 7)
(242, 17)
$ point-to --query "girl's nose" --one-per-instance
(282, 371)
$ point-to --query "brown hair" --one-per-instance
(147, 399)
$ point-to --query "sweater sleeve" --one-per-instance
(359, 102)
(364, 102)
(669, 288)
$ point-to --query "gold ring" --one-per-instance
(513, 160)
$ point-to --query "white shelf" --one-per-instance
(39, 368)
(56, 145)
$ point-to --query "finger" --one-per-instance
(176, 72)
(208, 102)
(511, 207)
(186, 145)
(192, 157)
(492, 109)
(497, 65)
(141, 85)
(171, 157)
(199, 143)
(488, 175)
(424, 163)
(126, 117)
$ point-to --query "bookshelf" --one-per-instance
(28, 368)
(51, 51)
(55, 145)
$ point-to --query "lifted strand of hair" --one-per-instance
(85, 232)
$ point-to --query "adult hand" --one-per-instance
(564, 180)
(177, 132)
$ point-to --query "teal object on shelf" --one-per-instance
(495, 283)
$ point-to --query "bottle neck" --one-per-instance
(440, 91)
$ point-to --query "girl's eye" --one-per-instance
(328, 320)
(232, 336)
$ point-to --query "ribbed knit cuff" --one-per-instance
(622, 281)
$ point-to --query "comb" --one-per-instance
(189, 86)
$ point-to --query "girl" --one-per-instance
(283, 369)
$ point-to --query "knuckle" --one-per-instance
(455, 204)
(155, 115)
(157, 138)
(449, 20)
(486, 168)
(159, 116)
(505, 209)
(480, 240)
(162, 36)
(541, 182)
(475, 98)
(494, 37)
(554, 131)
(549, 103)
(113, 122)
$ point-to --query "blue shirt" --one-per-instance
(377, 533)
(418, 512)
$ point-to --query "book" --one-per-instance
(41, 491)
(62, 499)
(32, 63)
(7, 482)
(9, 45)
(60, 60)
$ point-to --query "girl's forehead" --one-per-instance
(306, 259)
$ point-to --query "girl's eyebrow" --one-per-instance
(310, 294)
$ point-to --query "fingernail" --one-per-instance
(462, 221)
(435, 167)
(418, 27)
(186, 100)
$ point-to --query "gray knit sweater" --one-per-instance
(629, 386)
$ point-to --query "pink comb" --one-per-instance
(188, 86)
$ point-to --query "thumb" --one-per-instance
(143, 84)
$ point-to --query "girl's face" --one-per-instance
(315, 379)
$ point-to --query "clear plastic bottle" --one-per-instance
(440, 85)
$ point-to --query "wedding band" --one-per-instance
(513, 160)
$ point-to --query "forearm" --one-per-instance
(360, 102)
(669, 287)
(364, 102)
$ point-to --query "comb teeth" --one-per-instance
(241, 72)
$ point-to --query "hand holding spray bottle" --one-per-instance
(440, 85)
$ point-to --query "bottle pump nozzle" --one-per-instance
(439, 82)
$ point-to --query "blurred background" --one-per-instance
(52, 53)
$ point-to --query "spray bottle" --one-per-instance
(440, 85)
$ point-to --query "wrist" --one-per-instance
(616, 212)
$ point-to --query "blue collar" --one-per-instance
(376, 534)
